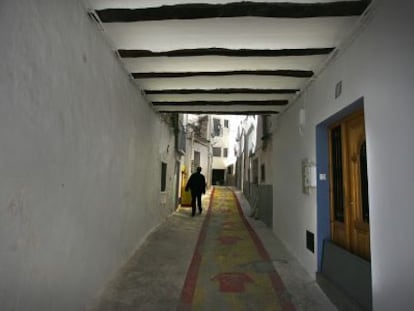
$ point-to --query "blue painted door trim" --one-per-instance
(322, 160)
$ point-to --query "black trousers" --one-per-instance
(196, 198)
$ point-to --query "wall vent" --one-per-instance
(310, 241)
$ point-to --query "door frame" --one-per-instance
(352, 233)
(322, 189)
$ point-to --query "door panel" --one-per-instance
(352, 232)
(359, 228)
(339, 218)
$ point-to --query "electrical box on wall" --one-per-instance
(308, 175)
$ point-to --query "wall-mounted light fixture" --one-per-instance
(338, 89)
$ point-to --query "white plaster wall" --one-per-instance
(251, 133)
(294, 212)
(265, 154)
(378, 66)
(218, 163)
(79, 158)
(166, 154)
(220, 142)
(234, 122)
(227, 140)
(203, 149)
(266, 158)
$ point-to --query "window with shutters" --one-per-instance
(216, 152)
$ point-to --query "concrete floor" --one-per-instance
(154, 276)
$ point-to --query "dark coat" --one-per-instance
(196, 183)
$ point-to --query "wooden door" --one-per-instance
(349, 185)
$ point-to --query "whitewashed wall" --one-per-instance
(79, 158)
(204, 151)
(234, 122)
(220, 142)
(264, 151)
(377, 66)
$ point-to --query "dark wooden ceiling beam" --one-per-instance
(281, 102)
(282, 73)
(221, 91)
(246, 112)
(235, 9)
(225, 52)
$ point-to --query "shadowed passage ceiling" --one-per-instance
(215, 56)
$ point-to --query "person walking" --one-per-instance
(197, 185)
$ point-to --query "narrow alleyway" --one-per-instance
(220, 260)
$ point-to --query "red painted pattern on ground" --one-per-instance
(229, 240)
(187, 292)
(277, 283)
(232, 282)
